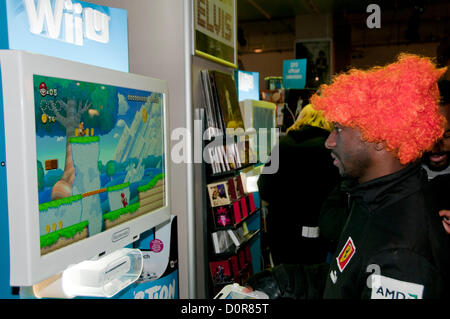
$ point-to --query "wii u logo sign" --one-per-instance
(374, 19)
(78, 22)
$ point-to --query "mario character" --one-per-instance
(124, 200)
(43, 89)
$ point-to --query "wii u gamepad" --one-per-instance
(235, 291)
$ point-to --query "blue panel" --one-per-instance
(5, 289)
(3, 26)
(162, 288)
(254, 223)
(69, 42)
(255, 250)
(257, 199)
(294, 74)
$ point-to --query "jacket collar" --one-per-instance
(389, 188)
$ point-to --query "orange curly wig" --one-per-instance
(396, 104)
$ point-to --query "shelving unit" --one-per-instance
(238, 261)
(233, 250)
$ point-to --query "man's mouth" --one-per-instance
(446, 218)
(335, 158)
(445, 214)
(446, 223)
(436, 158)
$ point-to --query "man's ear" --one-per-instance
(379, 146)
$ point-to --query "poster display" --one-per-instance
(215, 30)
(319, 64)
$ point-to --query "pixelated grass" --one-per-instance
(67, 232)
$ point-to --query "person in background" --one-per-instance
(392, 245)
(440, 186)
(295, 193)
(437, 161)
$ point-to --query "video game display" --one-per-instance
(100, 157)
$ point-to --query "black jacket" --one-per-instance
(393, 239)
(295, 194)
(394, 231)
(440, 188)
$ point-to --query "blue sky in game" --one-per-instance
(55, 147)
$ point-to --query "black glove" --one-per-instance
(291, 281)
(265, 281)
(282, 281)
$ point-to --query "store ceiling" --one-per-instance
(254, 10)
(250, 10)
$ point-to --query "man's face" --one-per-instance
(439, 157)
(349, 151)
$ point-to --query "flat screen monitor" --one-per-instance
(86, 161)
(247, 85)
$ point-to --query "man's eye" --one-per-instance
(447, 134)
(338, 129)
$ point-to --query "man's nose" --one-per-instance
(331, 141)
(437, 147)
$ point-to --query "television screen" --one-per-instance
(99, 157)
(247, 85)
(86, 166)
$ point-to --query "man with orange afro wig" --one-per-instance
(396, 105)
(393, 245)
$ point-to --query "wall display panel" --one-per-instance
(86, 161)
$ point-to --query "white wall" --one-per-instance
(156, 48)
